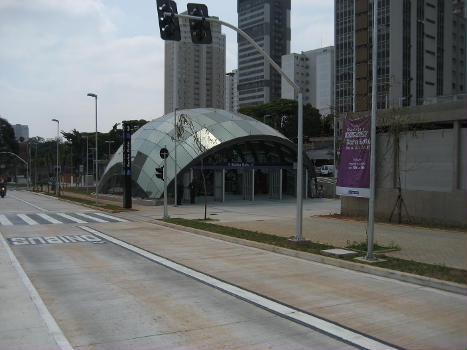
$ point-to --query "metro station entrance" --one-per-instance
(251, 170)
(241, 184)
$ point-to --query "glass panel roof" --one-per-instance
(211, 127)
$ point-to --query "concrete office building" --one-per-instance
(421, 52)
(313, 72)
(231, 91)
(268, 23)
(199, 71)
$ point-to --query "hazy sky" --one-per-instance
(53, 52)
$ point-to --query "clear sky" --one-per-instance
(53, 52)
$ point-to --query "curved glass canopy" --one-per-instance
(217, 137)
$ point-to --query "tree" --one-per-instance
(201, 138)
(8, 143)
(282, 115)
(134, 124)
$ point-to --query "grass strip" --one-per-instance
(414, 267)
(114, 208)
(363, 246)
(92, 203)
(440, 272)
(255, 236)
(80, 190)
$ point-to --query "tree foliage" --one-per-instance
(282, 115)
(8, 143)
(73, 148)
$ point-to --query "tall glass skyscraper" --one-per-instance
(268, 23)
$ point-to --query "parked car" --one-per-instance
(327, 170)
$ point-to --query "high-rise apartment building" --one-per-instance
(268, 23)
(420, 53)
(313, 72)
(231, 91)
(21, 132)
(194, 74)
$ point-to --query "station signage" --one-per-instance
(126, 149)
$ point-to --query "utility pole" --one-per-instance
(374, 107)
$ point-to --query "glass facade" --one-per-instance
(267, 22)
(222, 139)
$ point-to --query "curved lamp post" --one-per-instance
(21, 159)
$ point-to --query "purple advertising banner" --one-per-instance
(354, 167)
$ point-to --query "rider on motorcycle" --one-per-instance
(3, 188)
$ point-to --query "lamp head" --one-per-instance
(92, 95)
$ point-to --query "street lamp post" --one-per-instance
(371, 204)
(87, 159)
(58, 139)
(175, 155)
(97, 154)
(21, 159)
(35, 168)
(109, 143)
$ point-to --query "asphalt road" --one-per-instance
(105, 296)
(186, 291)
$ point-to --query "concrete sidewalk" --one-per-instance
(404, 314)
(428, 245)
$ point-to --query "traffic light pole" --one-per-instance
(299, 215)
(166, 212)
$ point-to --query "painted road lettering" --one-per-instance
(54, 239)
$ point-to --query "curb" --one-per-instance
(377, 271)
(79, 203)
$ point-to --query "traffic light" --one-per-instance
(160, 173)
(168, 25)
(200, 30)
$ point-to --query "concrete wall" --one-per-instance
(432, 170)
(423, 207)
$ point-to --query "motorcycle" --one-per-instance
(3, 191)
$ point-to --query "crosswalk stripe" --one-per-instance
(49, 218)
(4, 221)
(71, 218)
(27, 219)
(111, 217)
(90, 217)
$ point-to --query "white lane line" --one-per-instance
(111, 217)
(27, 219)
(32, 205)
(52, 326)
(49, 218)
(71, 218)
(330, 328)
(90, 218)
(4, 221)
